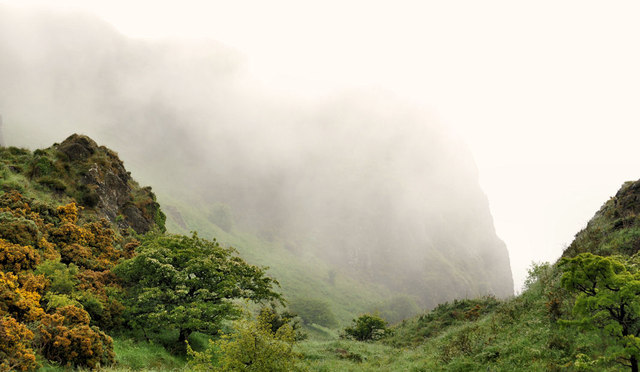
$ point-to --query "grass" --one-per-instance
(485, 334)
(135, 355)
(521, 333)
(142, 356)
(301, 275)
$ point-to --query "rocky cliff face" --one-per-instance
(615, 228)
(93, 176)
(360, 180)
(112, 192)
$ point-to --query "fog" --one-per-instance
(543, 93)
(359, 177)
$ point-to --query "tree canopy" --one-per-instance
(189, 284)
(609, 299)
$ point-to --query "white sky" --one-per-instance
(545, 93)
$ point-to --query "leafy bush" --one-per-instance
(17, 258)
(367, 327)
(278, 320)
(20, 300)
(18, 229)
(189, 284)
(62, 278)
(253, 346)
(15, 351)
(608, 298)
(67, 338)
(55, 184)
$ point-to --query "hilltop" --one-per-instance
(93, 176)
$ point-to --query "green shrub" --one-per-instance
(253, 346)
(19, 230)
(62, 278)
(189, 284)
(367, 327)
(278, 320)
(41, 166)
(52, 183)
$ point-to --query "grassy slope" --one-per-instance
(300, 275)
(517, 334)
(524, 333)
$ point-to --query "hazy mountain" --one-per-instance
(359, 179)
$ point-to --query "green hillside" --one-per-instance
(79, 235)
(537, 330)
(301, 274)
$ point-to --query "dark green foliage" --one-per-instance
(252, 347)
(41, 165)
(54, 184)
(278, 319)
(449, 313)
(86, 196)
(188, 284)
(160, 219)
(18, 229)
(62, 278)
(314, 311)
(608, 298)
(367, 327)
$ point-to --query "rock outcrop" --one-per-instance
(108, 187)
(614, 229)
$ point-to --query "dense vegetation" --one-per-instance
(92, 280)
(68, 278)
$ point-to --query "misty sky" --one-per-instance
(544, 93)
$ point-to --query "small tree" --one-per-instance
(367, 327)
(277, 320)
(252, 346)
(608, 299)
(188, 284)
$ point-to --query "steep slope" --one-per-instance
(364, 183)
(615, 228)
(530, 332)
(91, 175)
(68, 215)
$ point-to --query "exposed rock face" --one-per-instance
(614, 229)
(627, 199)
(364, 182)
(78, 148)
(110, 187)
